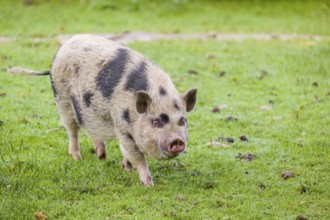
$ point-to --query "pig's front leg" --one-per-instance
(132, 156)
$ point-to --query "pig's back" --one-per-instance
(102, 77)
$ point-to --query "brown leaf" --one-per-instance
(301, 218)
(192, 72)
(247, 156)
(231, 118)
(262, 186)
(243, 138)
(287, 174)
(179, 198)
(222, 73)
(216, 109)
(228, 139)
(210, 55)
(40, 216)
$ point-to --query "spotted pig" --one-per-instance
(114, 92)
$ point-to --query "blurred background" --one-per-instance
(50, 17)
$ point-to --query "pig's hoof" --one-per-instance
(76, 156)
(102, 156)
(147, 182)
(127, 165)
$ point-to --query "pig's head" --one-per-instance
(163, 132)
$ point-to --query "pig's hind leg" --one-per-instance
(100, 149)
(70, 123)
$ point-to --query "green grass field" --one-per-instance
(276, 93)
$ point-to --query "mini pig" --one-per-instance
(114, 92)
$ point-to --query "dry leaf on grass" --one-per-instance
(247, 156)
(287, 174)
(40, 216)
(265, 108)
(217, 144)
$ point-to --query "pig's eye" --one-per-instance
(182, 121)
(156, 123)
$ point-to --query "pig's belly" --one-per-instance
(99, 129)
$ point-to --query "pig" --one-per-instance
(113, 92)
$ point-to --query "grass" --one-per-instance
(290, 78)
(40, 18)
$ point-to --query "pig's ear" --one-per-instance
(190, 99)
(143, 100)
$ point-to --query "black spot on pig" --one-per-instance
(77, 110)
(162, 91)
(88, 98)
(126, 116)
(164, 118)
(111, 73)
(53, 85)
(137, 80)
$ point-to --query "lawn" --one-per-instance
(274, 93)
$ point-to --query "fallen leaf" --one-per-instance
(216, 109)
(222, 73)
(223, 107)
(179, 198)
(24, 121)
(315, 84)
(231, 118)
(243, 138)
(193, 72)
(3, 94)
(262, 186)
(263, 74)
(287, 174)
(217, 144)
(301, 218)
(266, 108)
(247, 156)
(208, 185)
(40, 215)
(210, 56)
(196, 173)
(228, 139)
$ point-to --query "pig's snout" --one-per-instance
(176, 146)
(173, 146)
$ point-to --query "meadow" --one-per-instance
(263, 108)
